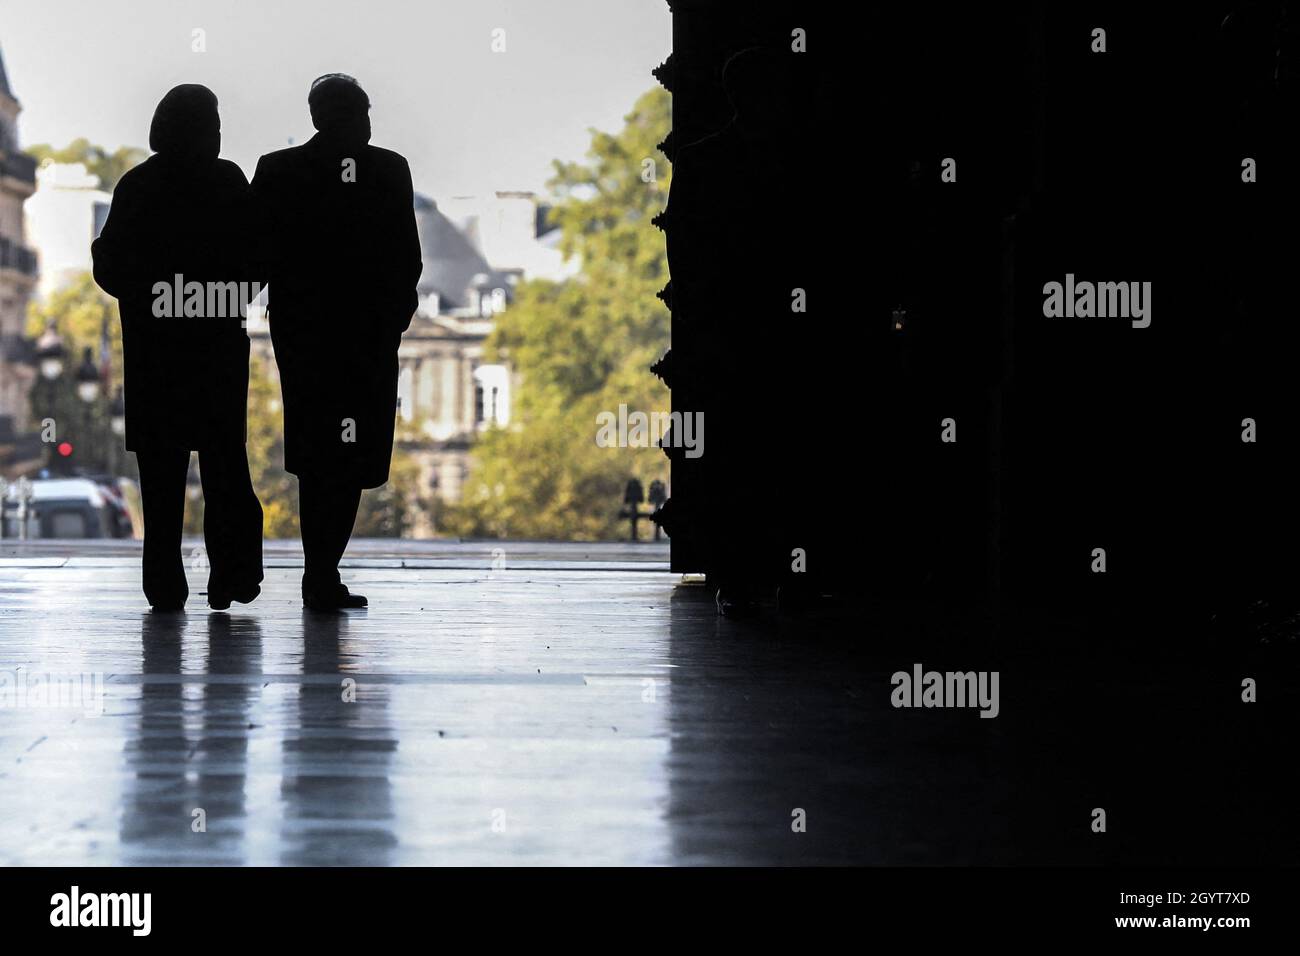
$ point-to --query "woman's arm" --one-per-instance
(116, 254)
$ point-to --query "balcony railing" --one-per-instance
(19, 166)
(17, 257)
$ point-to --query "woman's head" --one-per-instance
(186, 126)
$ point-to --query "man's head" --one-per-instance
(340, 108)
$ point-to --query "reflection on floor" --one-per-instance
(586, 708)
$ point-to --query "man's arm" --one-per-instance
(408, 258)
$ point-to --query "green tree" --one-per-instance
(581, 347)
(275, 487)
(389, 511)
(79, 310)
(109, 167)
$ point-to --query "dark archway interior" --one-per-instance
(924, 302)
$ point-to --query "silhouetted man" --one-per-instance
(180, 221)
(343, 259)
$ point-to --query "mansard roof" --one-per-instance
(451, 260)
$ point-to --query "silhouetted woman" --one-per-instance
(180, 218)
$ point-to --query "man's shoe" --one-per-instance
(220, 600)
(334, 599)
(167, 607)
(348, 599)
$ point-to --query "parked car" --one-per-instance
(65, 508)
(119, 517)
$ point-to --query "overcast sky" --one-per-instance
(468, 119)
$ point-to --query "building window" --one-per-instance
(491, 395)
(406, 393)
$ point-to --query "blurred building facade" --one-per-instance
(63, 218)
(18, 274)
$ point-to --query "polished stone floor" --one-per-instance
(577, 704)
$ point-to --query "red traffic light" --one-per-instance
(65, 448)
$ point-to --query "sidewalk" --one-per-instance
(523, 715)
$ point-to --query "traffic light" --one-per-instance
(63, 458)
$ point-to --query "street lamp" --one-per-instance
(49, 353)
(117, 423)
(88, 392)
(117, 414)
(87, 378)
(49, 359)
